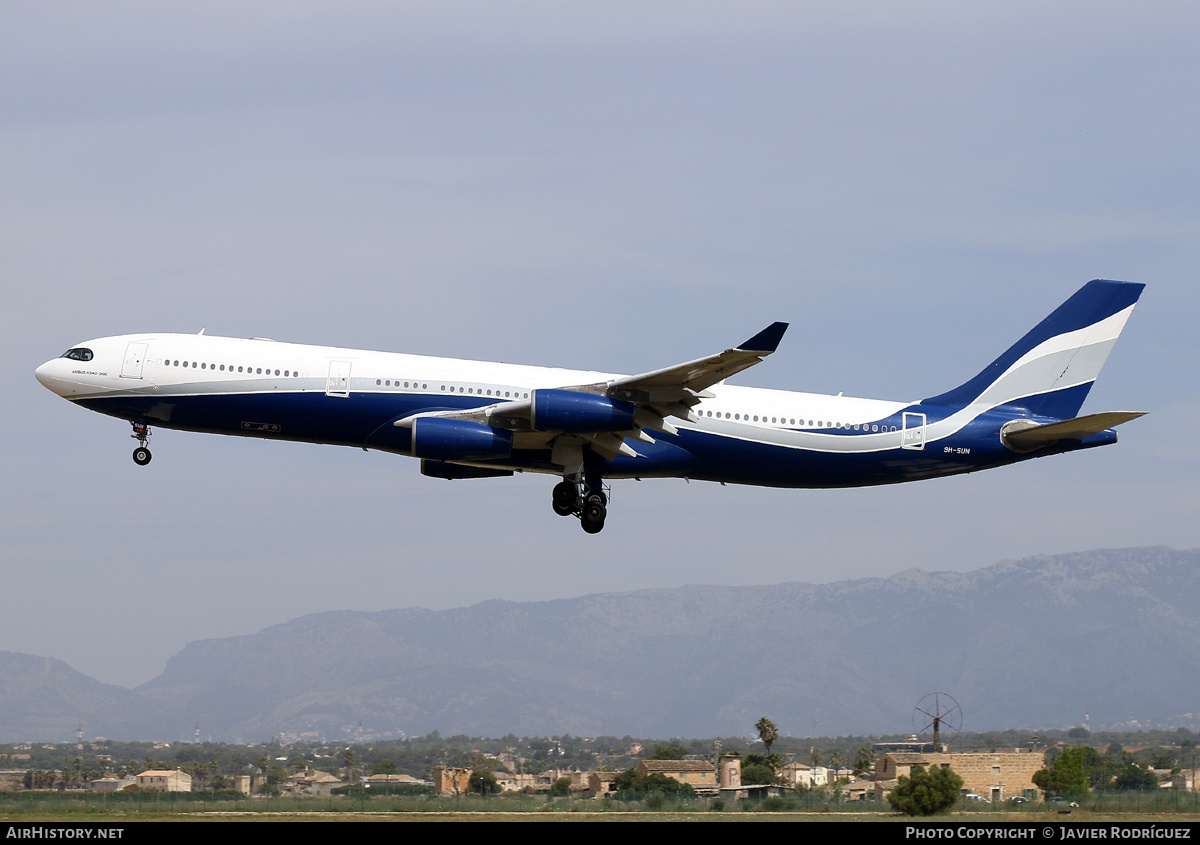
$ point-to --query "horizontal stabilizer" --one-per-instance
(1025, 439)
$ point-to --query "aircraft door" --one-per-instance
(135, 357)
(914, 431)
(338, 383)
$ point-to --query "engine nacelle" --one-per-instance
(458, 440)
(572, 412)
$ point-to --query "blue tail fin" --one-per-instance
(1050, 370)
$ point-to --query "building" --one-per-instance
(798, 774)
(997, 776)
(602, 783)
(160, 780)
(396, 780)
(451, 781)
(312, 782)
(701, 775)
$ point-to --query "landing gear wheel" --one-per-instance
(565, 498)
(141, 433)
(593, 514)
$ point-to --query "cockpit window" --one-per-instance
(78, 354)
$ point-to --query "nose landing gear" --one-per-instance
(141, 433)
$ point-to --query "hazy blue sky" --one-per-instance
(617, 186)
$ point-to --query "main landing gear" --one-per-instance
(584, 499)
(141, 433)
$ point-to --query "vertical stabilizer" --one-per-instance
(1051, 369)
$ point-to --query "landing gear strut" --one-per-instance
(141, 433)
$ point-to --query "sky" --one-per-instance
(614, 186)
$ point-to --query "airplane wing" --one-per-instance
(685, 383)
(654, 396)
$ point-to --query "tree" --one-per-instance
(757, 773)
(633, 781)
(1073, 771)
(1132, 777)
(864, 761)
(668, 752)
(1162, 759)
(759, 766)
(483, 781)
(925, 793)
(767, 732)
(385, 767)
(560, 788)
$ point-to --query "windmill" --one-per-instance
(940, 712)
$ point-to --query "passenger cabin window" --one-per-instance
(78, 354)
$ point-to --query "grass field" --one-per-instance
(79, 807)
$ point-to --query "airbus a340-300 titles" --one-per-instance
(475, 419)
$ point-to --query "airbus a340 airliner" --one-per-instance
(474, 419)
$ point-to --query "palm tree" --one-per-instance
(864, 760)
(767, 732)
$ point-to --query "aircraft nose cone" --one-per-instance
(45, 374)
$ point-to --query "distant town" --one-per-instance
(1008, 767)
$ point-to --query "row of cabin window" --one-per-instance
(248, 370)
(820, 423)
(518, 395)
(508, 394)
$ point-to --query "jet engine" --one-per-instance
(572, 412)
(458, 440)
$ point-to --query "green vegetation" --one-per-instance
(757, 773)
(1132, 777)
(926, 793)
(1101, 770)
(767, 732)
(1076, 770)
(419, 754)
(1073, 771)
(822, 803)
(668, 752)
(633, 784)
(483, 782)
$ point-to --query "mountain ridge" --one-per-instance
(1031, 642)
